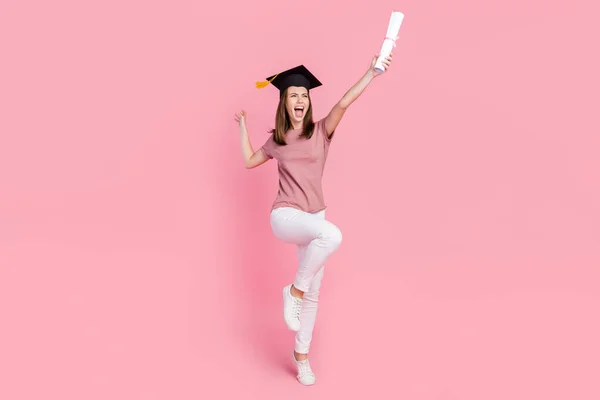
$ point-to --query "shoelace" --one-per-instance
(304, 368)
(297, 307)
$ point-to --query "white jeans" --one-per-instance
(316, 239)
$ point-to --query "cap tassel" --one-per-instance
(262, 84)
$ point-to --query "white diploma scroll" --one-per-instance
(390, 39)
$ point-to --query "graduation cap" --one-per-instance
(297, 76)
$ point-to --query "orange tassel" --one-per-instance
(262, 84)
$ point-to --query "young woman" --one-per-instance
(298, 213)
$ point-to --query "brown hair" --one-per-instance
(283, 123)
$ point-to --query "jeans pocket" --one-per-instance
(281, 216)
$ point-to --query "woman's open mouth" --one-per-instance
(299, 111)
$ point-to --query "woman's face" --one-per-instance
(297, 103)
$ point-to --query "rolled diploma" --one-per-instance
(390, 39)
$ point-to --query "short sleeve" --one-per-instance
(267, 148)
(320, 125)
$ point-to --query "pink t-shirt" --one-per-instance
(300, 165)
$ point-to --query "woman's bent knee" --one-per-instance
(333, 236)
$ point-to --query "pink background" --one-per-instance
(136, 256)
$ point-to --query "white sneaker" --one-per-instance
(305, 375)
(291, 309)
